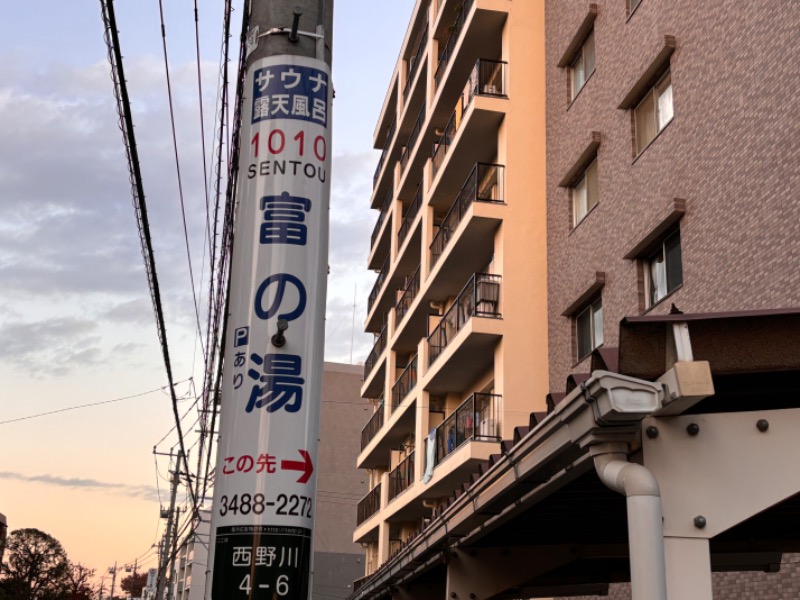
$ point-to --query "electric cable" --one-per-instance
(111, 36)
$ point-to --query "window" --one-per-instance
(664, 269)
(654, 112)
(589, 329)
(582, 67)
(584, 193)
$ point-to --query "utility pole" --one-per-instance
(113, 571)
(272, 382)
(174, 556)
(165, 555)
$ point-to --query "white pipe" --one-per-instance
(645, 526)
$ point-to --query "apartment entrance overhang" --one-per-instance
(543, 500)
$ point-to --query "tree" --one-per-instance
(133, 584)
(78, 582)
(36, 568)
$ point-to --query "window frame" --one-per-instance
(592, 308)
(580, 56)
(590, 169)
(662, 250)
(652, 95)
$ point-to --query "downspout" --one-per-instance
(645, 525)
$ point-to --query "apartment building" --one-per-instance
(191, 562)
(673, 154)
(672, 172)
(673, 307)
(458, 308)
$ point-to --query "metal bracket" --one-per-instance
(251, 42)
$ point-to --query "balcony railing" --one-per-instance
(373, 426)
(409, 216)
(369, 505)
(414, 61)
(412, 139)
(405, 383)
(480, 297)
(387, 202)
(384, 152)
(375, 353)
(488, 78)
(476, 419)
(407, 297)
(376, 289)
(446, 53)
(484, 184)
(401, 477)
(442, 146)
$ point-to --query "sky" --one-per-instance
(76, 322)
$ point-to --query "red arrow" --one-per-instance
(295, 465)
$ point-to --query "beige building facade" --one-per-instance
(459, 247)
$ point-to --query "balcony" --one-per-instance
(404, 384)
(373, 426)
(375, 353)
(409, 216)
(446, 52)
(386, 145)
(476, 419)
(415, 60)
(380, 241)
(407, 297)
(480, 297)
(412, 139)
(368, 505)
(488, 78)
(376, 289)
(402, 477)
(485, 184)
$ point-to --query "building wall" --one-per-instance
(337, 560)
(731, 151)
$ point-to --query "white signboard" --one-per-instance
(265, 484)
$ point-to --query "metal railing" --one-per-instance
(488, 78)
(375, 353)
(407, 297)
(369, 505)
(412, 139)
(405, 383)
(401, 477)
(414, 61)
(480, 297)
(376, 289)
(387, 202)
(442, 146)
(485, 183)
(373, 426)
(476, 418)
(384, 152)
(409, 216)
(446, 53)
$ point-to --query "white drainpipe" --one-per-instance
(645, 525)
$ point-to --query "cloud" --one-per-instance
(51, 346)
(143, 492)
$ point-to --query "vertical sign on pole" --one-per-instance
(265, 484)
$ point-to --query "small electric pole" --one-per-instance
(165, 555)
(113, 571)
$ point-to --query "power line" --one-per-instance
(91, 404)
(178, 170)
(111, 36)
